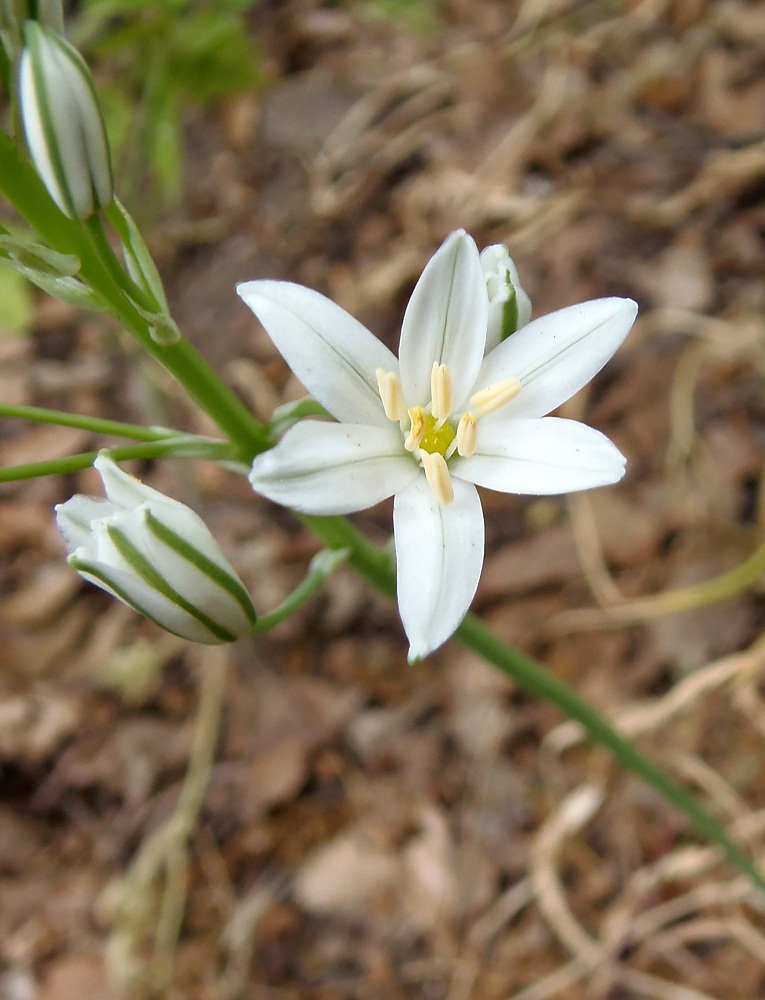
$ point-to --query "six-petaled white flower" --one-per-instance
(439, 421)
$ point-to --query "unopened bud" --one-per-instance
(509, 305)
(157, 556)
(63, 123)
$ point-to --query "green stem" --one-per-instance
(375, 566)
(322, 566)
(367, 559)
(113, 428)
(119, 276)
(185, 447)
(24, 189)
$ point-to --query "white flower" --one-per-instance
(157, 556)
(438, 422)
(63, 123)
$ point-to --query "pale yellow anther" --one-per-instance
(467, 434)
(437, 475)
(495, 396)
(389, 386)
(441, 391)
(417, 429)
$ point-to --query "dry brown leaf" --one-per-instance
(35, 724)
(345, 875)
(75, 977)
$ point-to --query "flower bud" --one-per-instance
(509, 305)
(157, 556)
(63, 123)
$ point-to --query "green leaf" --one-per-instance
(68, 290)
(52, 271)
(139, 261)
(37, 257)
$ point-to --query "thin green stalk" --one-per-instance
(62, 418)
(167, 448)
(374, 565)
(322, 566)
(119, 276)
(24, 189)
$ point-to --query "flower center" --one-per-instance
(435, 439)
(435, 433)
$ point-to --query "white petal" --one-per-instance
(75, 518)
(445, 321)
(121, 488)
(555, 355)
(332, 354)
(127, 493)
(439, 555)
(184, 578)
(186, 523)
(545, 456)
(323, 468)
(144, 599)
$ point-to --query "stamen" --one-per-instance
(493, 397)
(441, 391)
(417, 418)
(467, 434)
(391, 394)
(437, 475)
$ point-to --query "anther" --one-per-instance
(389, 387)
(495, 396)
(437, 475)
(441, 391)
(467, 434)
(417, 419)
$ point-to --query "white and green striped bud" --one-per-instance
(509, 305)
(63, 123)
(157, 556)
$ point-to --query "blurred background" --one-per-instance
(371, 829)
